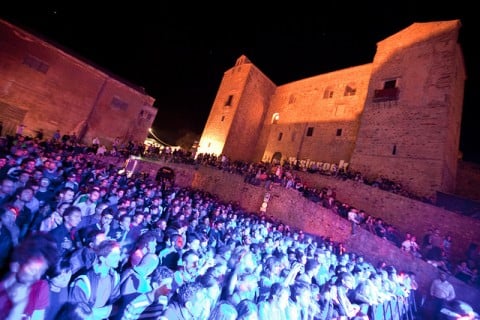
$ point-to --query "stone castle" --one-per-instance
(398, 117)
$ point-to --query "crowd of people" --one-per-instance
(433, 246)
(79, 239)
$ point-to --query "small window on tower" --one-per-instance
(310, 131)
(328, 93)
(339, 132)
(229, 101)
(223, 118)
(280, 135)
(291, 99)
(350, 90)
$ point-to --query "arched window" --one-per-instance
(275, 118)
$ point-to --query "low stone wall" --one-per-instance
(297, 211)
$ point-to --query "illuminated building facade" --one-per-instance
(398, 117)
(44, 87)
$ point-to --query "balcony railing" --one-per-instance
(386, 94)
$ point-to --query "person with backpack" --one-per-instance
(99, 286)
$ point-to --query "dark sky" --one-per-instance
(178, 51)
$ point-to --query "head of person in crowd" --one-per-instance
(146, 244)
(108, 256)
(162, 279)
(279, 295)
(66, 195)
(301, 294)
(72, 216)
(7, 188)
(247, 310)
(223, 310)
(190, 262)
(75, 311)
(190, 297)
(33, 257)
(106, 217)
(147, 265)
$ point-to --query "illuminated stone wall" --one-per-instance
(45, 87)
(414, 139)
(398, 117)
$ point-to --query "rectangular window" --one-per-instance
(390, 84)
(349, 91)
(310, 131)
(339, 132)
(229, 101)
(36, 64)
(223, 118)
(280, 135)
(118, 103)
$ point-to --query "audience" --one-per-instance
(98, 244)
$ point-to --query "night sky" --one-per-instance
(178, 51)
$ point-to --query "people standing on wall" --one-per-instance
(20, 129)
(95, 144)
(56, 136)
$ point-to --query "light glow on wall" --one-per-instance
(211, 144)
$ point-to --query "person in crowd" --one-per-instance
(223, 310)
(441, 292)
(188, 272)
(275, 306)
(6, 240)
(99, 286)
(23, 292)
(170, 255)
(94, 220)
(65, 195)
(187, 304)
(309, 271)
(58, 279)
(300, 302)
(65, 235)
(345, 283)
(44, 194)
(103, 223)
(152, 309)
(83, 258)
(25, 217)
(7, 190)
(87, 202)
(74, 311)
(135, 282)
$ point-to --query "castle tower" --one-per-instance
(234, 126)
(410, 126)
